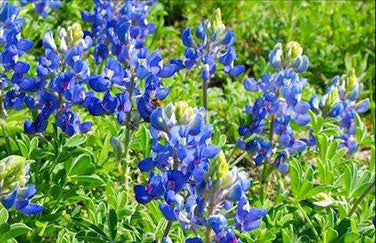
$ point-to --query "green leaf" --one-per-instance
(4, 228)
(295, 177)
(351, 237)
(104, 150)
(75, 140)
(112, 223)
(56, 191)
(3, 216)
(331, 235)
(23, 148)
(90, 226)
(79, 164)
(33, 145)
(94, 179)
(316, 190)
(15, 230)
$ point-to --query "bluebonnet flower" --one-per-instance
(120, 29)
(116, 25)
(279, 105)
(214, 43)
(14, 191)
(69, 123)
(43, 7)
(60, 81)
(190, 176)
(340, 101)
(21, 200)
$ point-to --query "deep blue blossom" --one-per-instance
(14, 190)
(212, 44)
(271, 114)
(20, 199)
(340, 101)
(189, 175)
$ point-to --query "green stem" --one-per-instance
(167, 230)
(208, 235)
(297, 204)
(3, 116)
(6, 138)
(128, 130)
(360, 199)
(264, 181)
(205, 98)
(239, 158)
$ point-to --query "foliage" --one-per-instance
(306, 174)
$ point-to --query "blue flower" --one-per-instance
(340, 102)
(21, 200)
(37, 126)
(279, 104)
(13, 100)
(213, 44)
(69, 122)
(248, 218)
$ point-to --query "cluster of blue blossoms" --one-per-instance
(214, 43)
(340, 102)
(14, 174)
(192, 177)
(279, 105)
(64, 80)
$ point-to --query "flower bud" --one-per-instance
(75, 34)
(184, 114)
(62, 35)
(13, 173)
(219, 168)
(218, 28)
(117, 146)
(294, 50)
(332, 99)
(351, 81)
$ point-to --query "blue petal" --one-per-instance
(217, 223)
(363, 106)
(250, 84)
(237, 70)
(187, 37)
(24, 45)
(85, 127)
(146, 164)
(21, 67)
(162, 93)
(156, 120)
(302, 120)
(141, 194)
(99, 84)
(167, 71)
(211, 151)
(29, 127)
(31, 209)
(168, 212)
(236, 193)
(194, 240)
(122, 31)
(196, 124)
(302, 107)
(9, 201)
